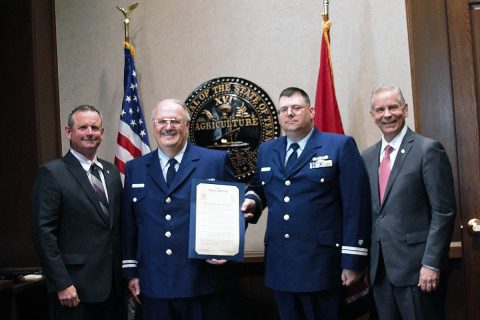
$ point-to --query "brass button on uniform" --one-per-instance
(169, 252)
(286, 217)
(168, 200)
(286, 199)
(168, 234)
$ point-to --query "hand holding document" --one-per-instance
(216, 223)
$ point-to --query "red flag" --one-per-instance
(327, 117)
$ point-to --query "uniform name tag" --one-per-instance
(265, 169)
(138, 185)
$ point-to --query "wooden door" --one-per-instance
(464, 38)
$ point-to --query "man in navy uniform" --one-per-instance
(316, 190)
(156, 215)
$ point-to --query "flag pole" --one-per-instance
(325, 10)
(126, 22)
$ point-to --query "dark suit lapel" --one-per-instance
(279, 152)
(108, 182)
(75, 168)
(405, 147)
(155, 171)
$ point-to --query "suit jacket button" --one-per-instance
(286, 199)
(134, 199)
(169, 252)
(263, 183)
(168, 200)
(322, 180)
(288, 182)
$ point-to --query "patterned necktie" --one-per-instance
(384, 172)
(171, 171)
(293, 156)
(98, 187)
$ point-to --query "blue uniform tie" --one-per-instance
(171, 171)
(293, 156)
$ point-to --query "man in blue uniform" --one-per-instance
(316, 190)
(156, 215)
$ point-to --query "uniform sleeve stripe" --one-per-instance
(354, 248)
(129, 261)
(133, 265)
(358, 253)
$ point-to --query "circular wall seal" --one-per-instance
(235, 115)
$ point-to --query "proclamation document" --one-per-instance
(217, 226)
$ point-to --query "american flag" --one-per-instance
(132, 136)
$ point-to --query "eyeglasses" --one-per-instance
(295, 109)
(174, 122)
(381, 110)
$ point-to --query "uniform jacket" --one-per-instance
(156, 225)
(76, 242)
(415, 222)
(318, 213)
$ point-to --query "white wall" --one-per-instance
(273, 43)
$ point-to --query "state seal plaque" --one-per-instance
(235, 115)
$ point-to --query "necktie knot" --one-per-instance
(294, 146)
(388, 150)
(172, 162)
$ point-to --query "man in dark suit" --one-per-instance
(413, 213)
(156, 217)
(316, 190)
(75, 228)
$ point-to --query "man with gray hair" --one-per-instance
(413, 214)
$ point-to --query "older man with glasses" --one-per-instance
(156, 215)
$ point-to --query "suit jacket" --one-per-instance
(156, 222)
(77, 244)
(414, 224)
(318, 213)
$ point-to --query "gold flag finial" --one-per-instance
(126, 13)
(325, 9)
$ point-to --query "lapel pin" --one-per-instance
(108, 172)
(402, 151)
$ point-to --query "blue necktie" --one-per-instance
(171, 171)
(293, 156)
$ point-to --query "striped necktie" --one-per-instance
(98, 187)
